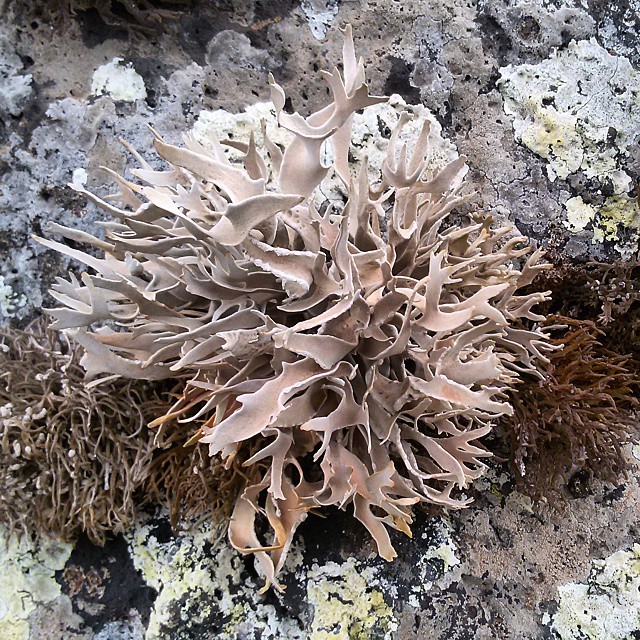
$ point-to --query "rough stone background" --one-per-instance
(542, 96)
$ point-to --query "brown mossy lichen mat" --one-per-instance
(73, 456)
(272, 330)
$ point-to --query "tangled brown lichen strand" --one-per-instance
(367, 362)
(578, 417)
(191, 483)
(72, 456)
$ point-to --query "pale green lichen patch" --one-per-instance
(614, 213)
(444, 548)
(27, 571)
(607, 606)
(345, 605)
(201, 583)
(619, 211)
(552, 135)
(354, 599)
(120, 81)
(579, 214)
(437, 561)
(580, 110)
(211, 126)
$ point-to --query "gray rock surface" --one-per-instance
(541, 154)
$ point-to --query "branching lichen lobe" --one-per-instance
(348, 352)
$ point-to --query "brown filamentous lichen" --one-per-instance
(599, 302)
(605, 293)
(610, 295)
(73, 456)
(577, 418)
(192, 484)
(357, 349)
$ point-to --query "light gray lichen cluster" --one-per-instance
(578, 109)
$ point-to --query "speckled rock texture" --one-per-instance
(542, 96)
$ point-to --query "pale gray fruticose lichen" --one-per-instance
(358, 348)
